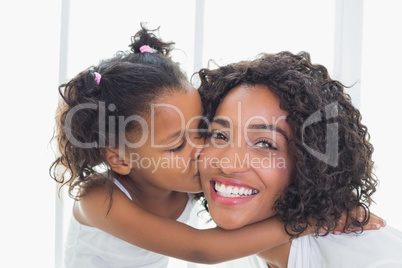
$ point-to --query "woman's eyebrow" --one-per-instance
(269, 127)
(220, 121)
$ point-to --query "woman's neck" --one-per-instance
(276, 257)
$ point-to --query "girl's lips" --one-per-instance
(231, 192)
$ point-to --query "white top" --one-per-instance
(252, 261)
(370, 249)
(89, 247)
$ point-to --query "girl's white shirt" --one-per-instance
(89, 247)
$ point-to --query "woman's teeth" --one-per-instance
(233, 191)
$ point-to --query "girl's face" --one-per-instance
(166, 160)
(246, 166)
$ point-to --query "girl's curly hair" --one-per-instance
(89, 112)
(326, 183)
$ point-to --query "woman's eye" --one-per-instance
(264, 144)
(217, 136)
(178, 148)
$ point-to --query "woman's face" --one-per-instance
(246, 166)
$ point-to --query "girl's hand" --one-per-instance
(345, 224)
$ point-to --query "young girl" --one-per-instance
(128, 140)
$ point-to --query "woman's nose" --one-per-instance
(234, 160)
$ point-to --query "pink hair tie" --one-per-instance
(97, 77)
(146, 49)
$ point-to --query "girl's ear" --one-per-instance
(116, 164)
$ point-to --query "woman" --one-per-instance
(284, 139)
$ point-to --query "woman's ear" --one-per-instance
(116, 164)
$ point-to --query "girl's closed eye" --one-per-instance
(200, 135)
(178, 148)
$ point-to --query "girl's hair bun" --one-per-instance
(147, 37)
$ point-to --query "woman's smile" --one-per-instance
(230, 192)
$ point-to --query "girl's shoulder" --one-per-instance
(96, 198)
(94, 182)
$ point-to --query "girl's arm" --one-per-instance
(139, 227)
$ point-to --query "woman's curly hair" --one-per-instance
(323, 187)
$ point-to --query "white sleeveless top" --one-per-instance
(89, 247)
(370, 249)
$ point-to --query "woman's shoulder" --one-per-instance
(364, 249)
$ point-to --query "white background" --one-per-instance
(359, 42)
